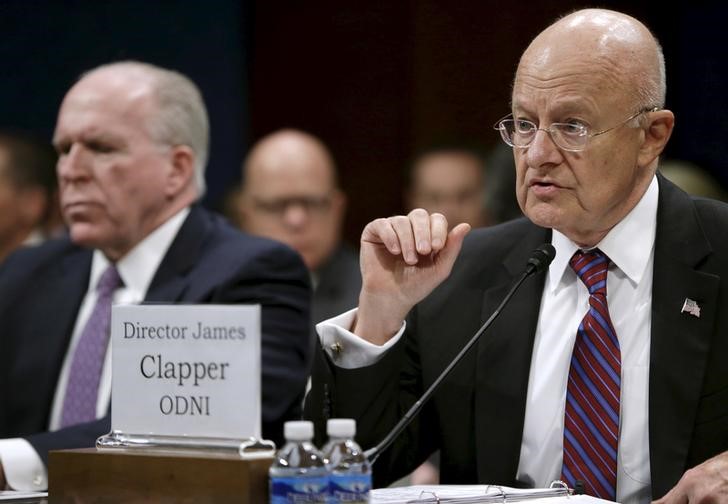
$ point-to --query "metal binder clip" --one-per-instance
(424, 493)
(500, 493)
(253, 448)
(561, 484)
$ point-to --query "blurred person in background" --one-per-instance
(290, 193)
(451, 181)
(464, 186)
(29, 210)
(693, 179)
(132, 141)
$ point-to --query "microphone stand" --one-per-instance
(534, 266)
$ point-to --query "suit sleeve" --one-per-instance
(377, 397)
(76, 436)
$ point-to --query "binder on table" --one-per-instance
(475, 494)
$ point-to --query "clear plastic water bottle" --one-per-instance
(350, 474)
(299, 472)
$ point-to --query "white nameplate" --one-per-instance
(186, 370)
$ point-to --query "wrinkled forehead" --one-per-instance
(566, 75)
(593, 53)
(98, 102)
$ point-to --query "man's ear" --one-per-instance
(182, 170)
(657, 133)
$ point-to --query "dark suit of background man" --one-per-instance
(132, 142)
(588, 126)
(291, 193)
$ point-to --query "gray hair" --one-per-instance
(181, 117)
(656, 89)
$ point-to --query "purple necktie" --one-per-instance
(79, 405)
(591, 421)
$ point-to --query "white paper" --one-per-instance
(474, 494)
(15, 496)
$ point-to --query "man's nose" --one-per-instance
(543, 151)
(295, 215)
(74, 163)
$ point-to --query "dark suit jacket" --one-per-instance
(41, 290)
(476, 417)
(339, 283)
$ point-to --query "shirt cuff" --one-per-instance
(345, 348)
(24, 470)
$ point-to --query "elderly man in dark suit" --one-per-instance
(132, 143)
(609, 371)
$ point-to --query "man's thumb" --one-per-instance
(454, 243)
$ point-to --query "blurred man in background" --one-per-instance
(29, 209)
(459, 183)
(451, 181)
(290, 193)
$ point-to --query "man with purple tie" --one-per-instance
(595, 373)
(132, 142)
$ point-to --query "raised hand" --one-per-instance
(403, 259)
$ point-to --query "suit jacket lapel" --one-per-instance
(73, 278)
(61, 292)
(504, 357)
(680, 341)
(170, 283)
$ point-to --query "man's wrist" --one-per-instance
(375, 325)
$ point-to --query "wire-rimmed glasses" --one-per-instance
(571, 136)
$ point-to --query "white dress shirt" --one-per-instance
(24, 470)
(565, 301)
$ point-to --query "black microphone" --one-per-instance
(538, 262)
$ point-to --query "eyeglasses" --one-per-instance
(312, 205)
(571, 136)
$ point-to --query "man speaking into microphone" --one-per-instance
(608, 371)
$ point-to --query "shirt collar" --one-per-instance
(138, 266)
(35, 237)
(628, 244)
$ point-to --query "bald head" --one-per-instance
(288, 151)
(613, 45)
(290, 193)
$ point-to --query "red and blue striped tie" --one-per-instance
(591, 421)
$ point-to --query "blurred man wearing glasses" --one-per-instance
(608, 371)
(290, 193)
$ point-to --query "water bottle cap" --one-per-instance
(299, 430)
(341, 427)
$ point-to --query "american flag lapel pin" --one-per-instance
(691, 306)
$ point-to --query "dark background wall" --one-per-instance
(376, 80)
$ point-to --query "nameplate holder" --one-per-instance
(186, 378)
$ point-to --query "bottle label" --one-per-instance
(350, 488)
(292, 490)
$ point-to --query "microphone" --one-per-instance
(538, 262)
